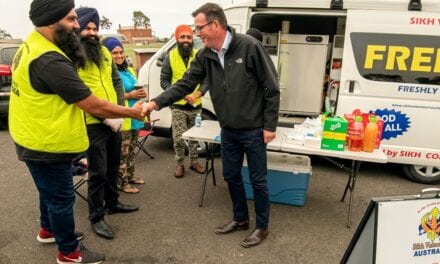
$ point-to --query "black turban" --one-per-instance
(48, 12)
(86, 15)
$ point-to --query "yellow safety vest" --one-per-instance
(37, 121)
(99, 80)
(179, 68)
(126, 126)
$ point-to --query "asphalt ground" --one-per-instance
(170, 227)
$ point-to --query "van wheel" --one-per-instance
(422, 174)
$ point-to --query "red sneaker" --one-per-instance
(45, 236)
(81, 255)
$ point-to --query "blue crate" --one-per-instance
(287, 176)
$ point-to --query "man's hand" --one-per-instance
(114, 123)
(268, 136)
(138, 111)
(191, 99)
(137, 94)
(148, 107)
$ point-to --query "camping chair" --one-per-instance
(143, 135)
(79, 168)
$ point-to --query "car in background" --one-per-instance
(8, 48)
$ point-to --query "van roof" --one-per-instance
(16, 41)
(427, 5)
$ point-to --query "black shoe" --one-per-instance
(121, 208)
(232, 227)
(256, 237)
(102, 229)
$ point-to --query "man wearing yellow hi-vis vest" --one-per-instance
(101, 76)
(46, 120)
(185, 110)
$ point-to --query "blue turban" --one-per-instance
(86, 15)
(112, 43)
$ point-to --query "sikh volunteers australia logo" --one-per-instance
(429, 231)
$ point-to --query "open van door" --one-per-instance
(391, 66)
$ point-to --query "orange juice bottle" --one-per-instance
(370, 135)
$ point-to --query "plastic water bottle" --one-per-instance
(198, 120)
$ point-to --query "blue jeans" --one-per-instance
(55, 187)
(234, 143)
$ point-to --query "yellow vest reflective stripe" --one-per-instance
(99, 80)
(37, 121)
(178, 67)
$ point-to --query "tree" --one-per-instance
(105, 23)
(4, 34)
(140, 19)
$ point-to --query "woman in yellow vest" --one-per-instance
(130, 127)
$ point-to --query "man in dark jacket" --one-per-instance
(242, 81)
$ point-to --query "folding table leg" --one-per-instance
(209, 167)
(355, 164)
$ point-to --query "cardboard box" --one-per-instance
(334, 133)
(287, 177)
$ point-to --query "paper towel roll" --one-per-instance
(285, 27)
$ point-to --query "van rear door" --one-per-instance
(391, 66)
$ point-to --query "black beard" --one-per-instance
(185, 52)
(70, 44)
(92, 47)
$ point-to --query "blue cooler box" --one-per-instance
(287, 176)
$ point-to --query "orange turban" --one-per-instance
(181, 29)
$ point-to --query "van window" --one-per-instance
(7, 54)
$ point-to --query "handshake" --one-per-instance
(138, 111)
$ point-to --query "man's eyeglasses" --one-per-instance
(199, 28)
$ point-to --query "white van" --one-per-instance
(380, 55)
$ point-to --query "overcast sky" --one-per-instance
(164, 15)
